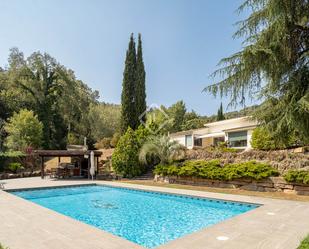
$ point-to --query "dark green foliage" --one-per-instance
(214, 171)
(41, 84)
(220, 115)
(140, 91)
(10, 156)
(125, 157)
(297, 176)
(14, 167)
(129, 116)
(177, 114)
(272, 66)
(304, 244)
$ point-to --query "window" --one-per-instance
(198, 142)
(237, 139)
(188, 140)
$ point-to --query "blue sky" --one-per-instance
(183, 40)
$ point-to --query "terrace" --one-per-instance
(275, 224)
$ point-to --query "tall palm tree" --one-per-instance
(165, 149)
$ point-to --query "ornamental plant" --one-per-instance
(213, 170)
(297, 176)
(125, 157)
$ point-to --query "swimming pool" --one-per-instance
(149, 219)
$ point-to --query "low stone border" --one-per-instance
(272, 184)
(19, 175)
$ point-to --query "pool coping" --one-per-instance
(276, 224)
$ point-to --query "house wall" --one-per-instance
(207, 141)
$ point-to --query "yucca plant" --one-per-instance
(162, 147)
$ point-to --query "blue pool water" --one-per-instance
(146, 218)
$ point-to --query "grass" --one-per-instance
(304, 244)
(274, 195)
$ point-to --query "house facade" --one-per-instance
(236, 132)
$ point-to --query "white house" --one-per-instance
(236, 132)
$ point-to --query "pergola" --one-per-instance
(65, 153)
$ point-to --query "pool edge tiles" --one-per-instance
(141, 216)
(182, 195)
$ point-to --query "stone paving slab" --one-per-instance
(277, 224)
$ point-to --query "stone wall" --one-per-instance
(283, 160)
(273, 184)
(19, 175)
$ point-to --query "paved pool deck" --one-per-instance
(277, 224)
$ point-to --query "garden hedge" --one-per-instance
(213, 170)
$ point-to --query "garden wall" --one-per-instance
(282, 160)
(19, 175)
(273, 184)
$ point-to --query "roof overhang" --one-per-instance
(215, 134)
(242, 128)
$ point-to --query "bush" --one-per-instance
(14, 167)
(297, 176)
(262, 139)
(104, 143)
(24, 130)
(304, 244)
(125, 157)
(213, 170)
(115, 139)
(3, 247)
(7, 157)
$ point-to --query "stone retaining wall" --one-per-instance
(273, 184)
(19, 175)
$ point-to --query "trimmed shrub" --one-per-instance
(214, 171)
(297, 176)
(125, 157)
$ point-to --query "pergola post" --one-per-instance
(42, 167)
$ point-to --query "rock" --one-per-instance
(301, 188)
(250, 187)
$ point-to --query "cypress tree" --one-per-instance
(128, 109)
(140, 83)
(220, 115)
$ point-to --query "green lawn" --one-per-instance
(304, 244)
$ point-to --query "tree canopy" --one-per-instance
(272, 66)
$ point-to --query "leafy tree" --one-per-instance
(128, 100)
(220, 115)
(262, 139)
(177, 112)
(24, 130)
(140, 92)
(162, 147)
(125, 157)
(273, 65)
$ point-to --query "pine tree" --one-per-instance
(220, 115)
(273, 66)
(140, 83)
(129, 116)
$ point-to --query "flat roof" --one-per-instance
(64, 153)
(228, 121)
